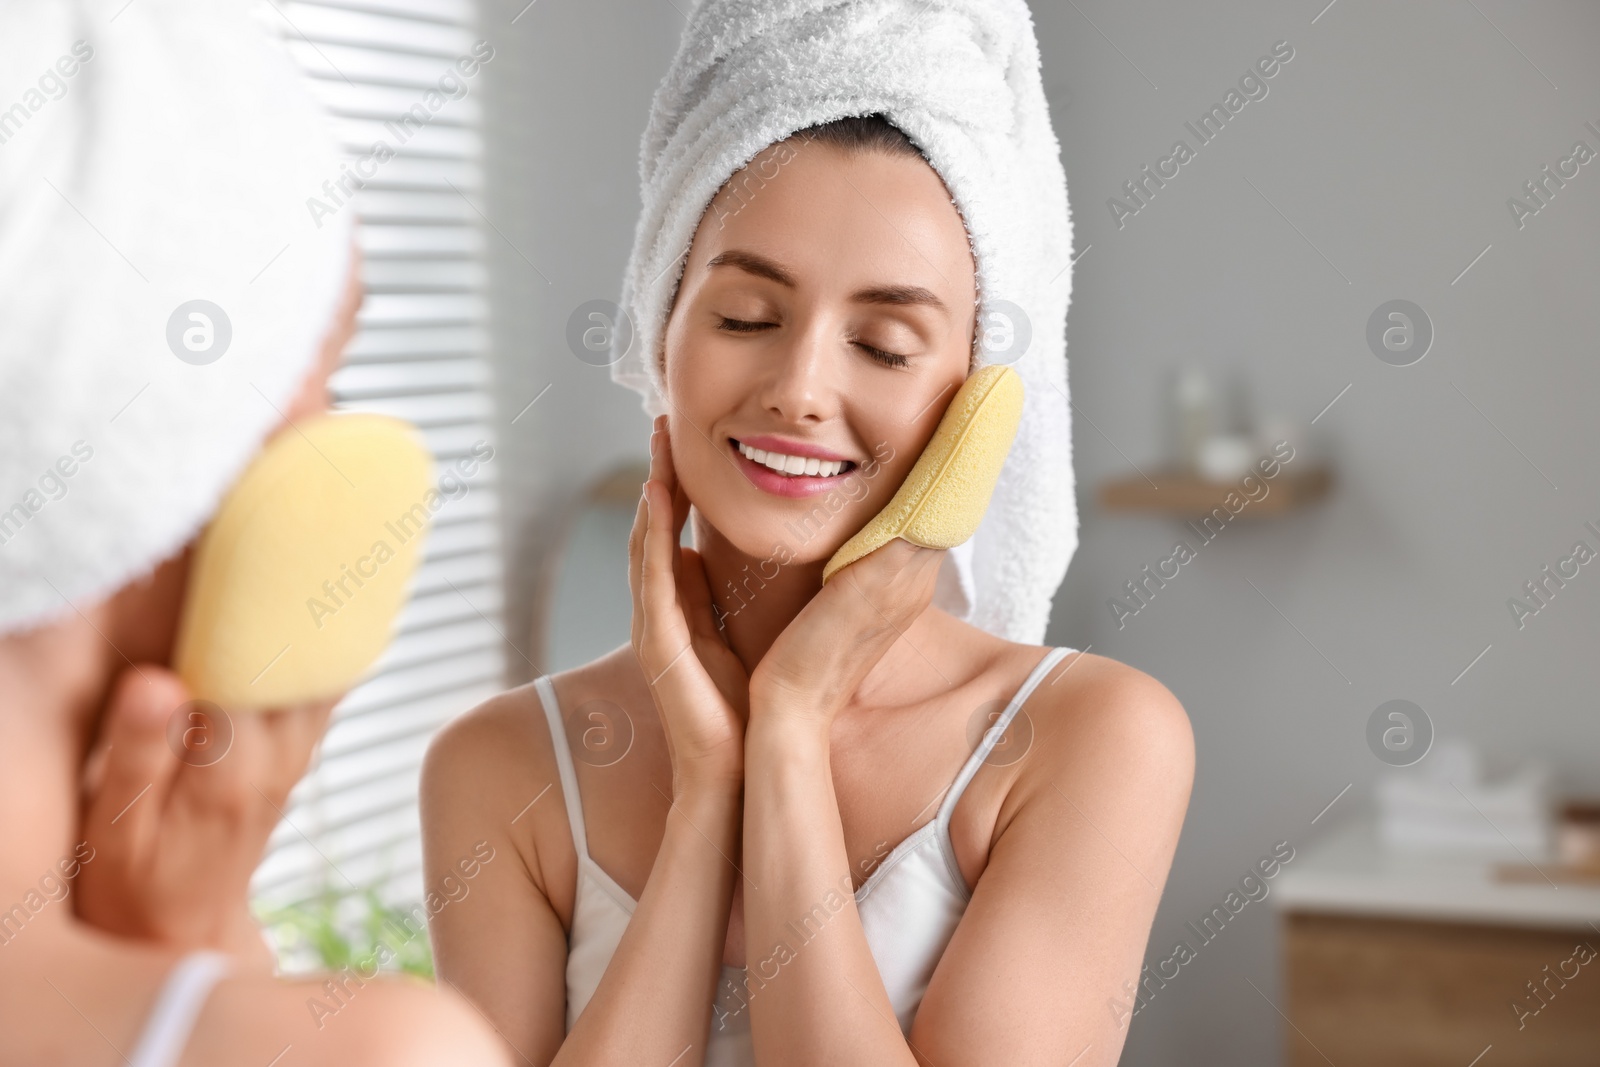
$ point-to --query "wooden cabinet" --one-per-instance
(1377, 992)
(1416, 960)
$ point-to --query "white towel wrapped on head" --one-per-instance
(147, 160)
(961, 79)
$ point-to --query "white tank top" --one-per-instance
(909, 907)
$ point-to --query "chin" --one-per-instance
(785, 534)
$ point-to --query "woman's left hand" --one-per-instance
(828, 649)
(177, 831)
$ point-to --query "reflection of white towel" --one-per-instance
(961, 78)
(171, 164)
(1446, 804)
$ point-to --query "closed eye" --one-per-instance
(741, 326)
(890, 359)
(887, 358)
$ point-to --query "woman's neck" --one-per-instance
(756, 597)
(63, 671)
(53, 680)
(759, 596)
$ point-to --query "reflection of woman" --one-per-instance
(162, 158)
(766, 830)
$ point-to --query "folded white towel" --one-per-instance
(961, 79)
(151, 154)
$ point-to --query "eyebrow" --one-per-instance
(762, 267)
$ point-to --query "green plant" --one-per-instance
(359, 930)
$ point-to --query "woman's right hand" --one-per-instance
(701, 688)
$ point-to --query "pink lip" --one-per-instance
(770, 481)
(786, 447)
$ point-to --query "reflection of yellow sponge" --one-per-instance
(943, 499)
(296, 582)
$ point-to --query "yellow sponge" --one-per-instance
(943, 499)
(296, 582)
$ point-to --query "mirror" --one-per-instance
(583, 608)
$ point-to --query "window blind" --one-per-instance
(393, 76)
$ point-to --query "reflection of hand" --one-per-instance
(700, 687)
(176, 841)
(828, 649)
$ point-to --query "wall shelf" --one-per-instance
(1186, 496)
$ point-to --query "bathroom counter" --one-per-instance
(1350, 872)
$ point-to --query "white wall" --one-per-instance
(1390, 144)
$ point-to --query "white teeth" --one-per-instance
(793, 465)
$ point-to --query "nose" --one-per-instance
(804, 381)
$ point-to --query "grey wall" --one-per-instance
(572, 90)
(1389, 144)
(1377, 167)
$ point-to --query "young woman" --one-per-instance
(766, 830)
(185, 136)
(115, 883)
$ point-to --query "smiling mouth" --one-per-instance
(796, 467)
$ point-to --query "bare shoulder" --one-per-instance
(495, 766)
(394, 1022)
(504, 739)
(507, 737)
(481, 772)
(1097, 695)
(1106, 727)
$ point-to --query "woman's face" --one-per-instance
(826, 310)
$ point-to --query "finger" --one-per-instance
(876, 583)
(695, 593)
(213, 800)
(135, 765)
(869, 571)
(297, 736)
(680, 510)
(896, 582)
(94, 771)
(288, 737)
(641, 563)
(635, 563)
(662, 471)
(245, 788)
(656, 573)
(669, 478)
(880, 567)
(658, 448)
(267, 753)
(665, 633)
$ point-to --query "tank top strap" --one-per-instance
(569, 776)
(992, 735)
(177, 1007)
